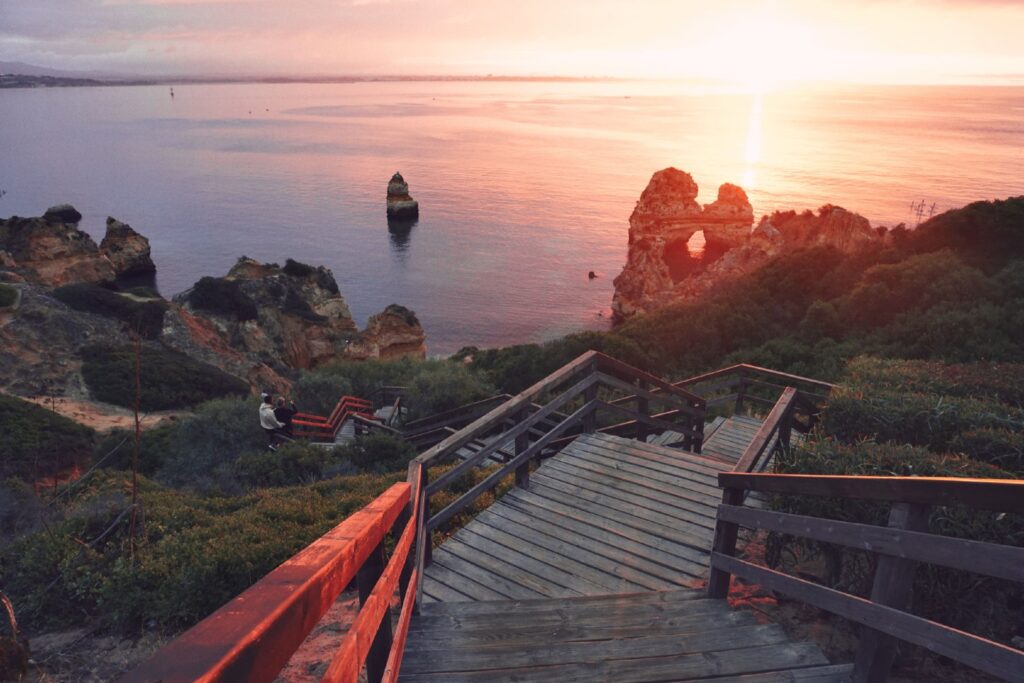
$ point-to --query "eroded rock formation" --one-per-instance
(401, 206)
(127, 250)
(291, 317)
(50, 250)
(393, 333)
(661, 225)
(659, 268)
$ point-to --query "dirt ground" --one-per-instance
(102, 416)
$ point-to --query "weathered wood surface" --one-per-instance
(732, 438)
(672, 635)
(606, 515)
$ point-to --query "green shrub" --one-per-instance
(298, 269)
(224, 297)
(144, 317)
(318, 392)
(169, 379)
(999, 382)
(114, 449)
(21, 511)
(928, 420)
(195, 553)
(294, 463)
(8, 295)
(200, 451)
(36, 442)
(1001, 447)
(377, 453)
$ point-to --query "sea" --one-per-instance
(524, 187)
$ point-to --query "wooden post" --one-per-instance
(642, 407)
(366, 579)
(590, 419)
(725, 543)
(892, 587)
(410, 559)
(741, 389)
(522, 443)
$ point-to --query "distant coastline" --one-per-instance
(10, 81)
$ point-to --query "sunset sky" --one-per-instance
(907, 41)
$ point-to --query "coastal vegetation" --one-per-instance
(924, 332)
(144, 317)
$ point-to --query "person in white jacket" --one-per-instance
(267, 420)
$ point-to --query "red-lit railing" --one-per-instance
(253, 637)
(320, 428)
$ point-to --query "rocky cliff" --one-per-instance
(51, 250)
(295, 317)
(660, 268)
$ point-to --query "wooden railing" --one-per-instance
(320, 428)
(513, 426)
(252, 637)
(900, 546)
(738, 386)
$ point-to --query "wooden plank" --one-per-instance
(470, 571)
(352, 653)
(472, 554)
(562, 581)
(431, 630)
(697, 524)
(687, 560)
(639, 670)
(394, 663)
(648, 420)
(513, 655)
(680, 478)
(832, 673)
(699, 494)
(725, 543)
(526, 635)
(605, 604)
(599, 542)
(440, 591)
(755, 370)
(1003, 495)
(448, 573)
(254, 635)
(619, 369)
(562, 544)
(672, 461)
(642, 518)
(984, 655)
(991, 559)
(494, 531)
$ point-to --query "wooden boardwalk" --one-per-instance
(606, 515)
(655, 636)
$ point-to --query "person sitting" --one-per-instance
(284, 414)
(269, 423)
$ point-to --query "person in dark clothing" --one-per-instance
(284, 414)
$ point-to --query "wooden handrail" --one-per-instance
(252, 637)
(775, 425)
(416, 426)
(884, 618)
(1003, 495)
(786, 378)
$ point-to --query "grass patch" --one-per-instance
(145, 317)
(224, 297)
(37, 442)
(169, 379)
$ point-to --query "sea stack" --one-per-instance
(400, 204)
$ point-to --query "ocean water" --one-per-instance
(523, 187)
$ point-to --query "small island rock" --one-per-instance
(127, 250)
(400, 204)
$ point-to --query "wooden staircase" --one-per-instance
(605, 515)
(676, 635)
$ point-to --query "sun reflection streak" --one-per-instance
(752, 152)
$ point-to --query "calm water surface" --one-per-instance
(523, 187)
